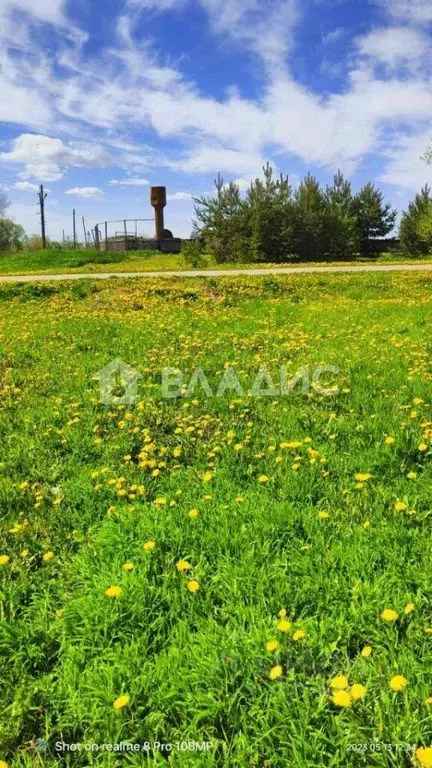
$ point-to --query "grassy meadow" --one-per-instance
(244, 579)
(90, 260)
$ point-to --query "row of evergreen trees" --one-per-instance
(272, 222)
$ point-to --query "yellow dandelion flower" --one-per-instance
(284, 625)
(59, 613)
(282, 613)
(299, 635)
(339, 683)
(428, 630)
(389, 615)
(148, 546)
(400, 506)
(423, 447)
(272, 645)
(275, 672)
(48, 556)
(357, 691)
(341, 699)
(193, 513)
(263, 479)
(17, 528)
(363, 477)
(398, 683)
(128, 567)
(323, 515)
(409, 608)
(207, 477)
(114, 591)
(24, 553)
(390, 440)
(3, 764)
(183, 565)
(193, 586)
(428, 700)
(367, 651)
(424, 756)
(412, 475)
(4, 559)
(121, 702)
(160, 501)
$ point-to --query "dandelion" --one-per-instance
(366, 651)
(193, 586)
(282, 613)
(4, 559)
(389, 615)
(121, 702)
(339, 683)
(48, 556)
(128, 567)
(341, 699)
(263, 479)
(424, 756)
(24, 553)
(357, 692)
(114, 591)
(428, 630)
(363, 477)
(272, 645)
(148, 546)
(183, 565)
(275, 672)
(284, 625)
(323, 515)
(422, 447)
(160, 501)
(207, 477)
(428, 700)
(299, 635)
(398, 683)
(193, 513)
(409, 608)
(3, 764)
(412, 475)
(389, 440)
(400, 506)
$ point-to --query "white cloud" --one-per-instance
(406, 168)
(25, 186)
(130, 182)
(179, 196)
(207, 159)
(395, 45)
(45, 158)
(85, 192)
(417, 11)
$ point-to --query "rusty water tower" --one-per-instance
(158, 201)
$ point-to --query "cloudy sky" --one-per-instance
(101, 99)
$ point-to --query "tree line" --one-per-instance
(273, 222)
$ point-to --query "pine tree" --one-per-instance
(221, 222)
(413, 240)
(341, 232)
(308, 220)
(268, 208)
(374, 218)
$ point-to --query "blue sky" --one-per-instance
(100, 100)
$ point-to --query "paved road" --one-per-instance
(222, 272)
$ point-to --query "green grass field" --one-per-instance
(201, 569)
(83, 261)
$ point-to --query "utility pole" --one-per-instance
(74, 229)
(42, 196)
(85, 233)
